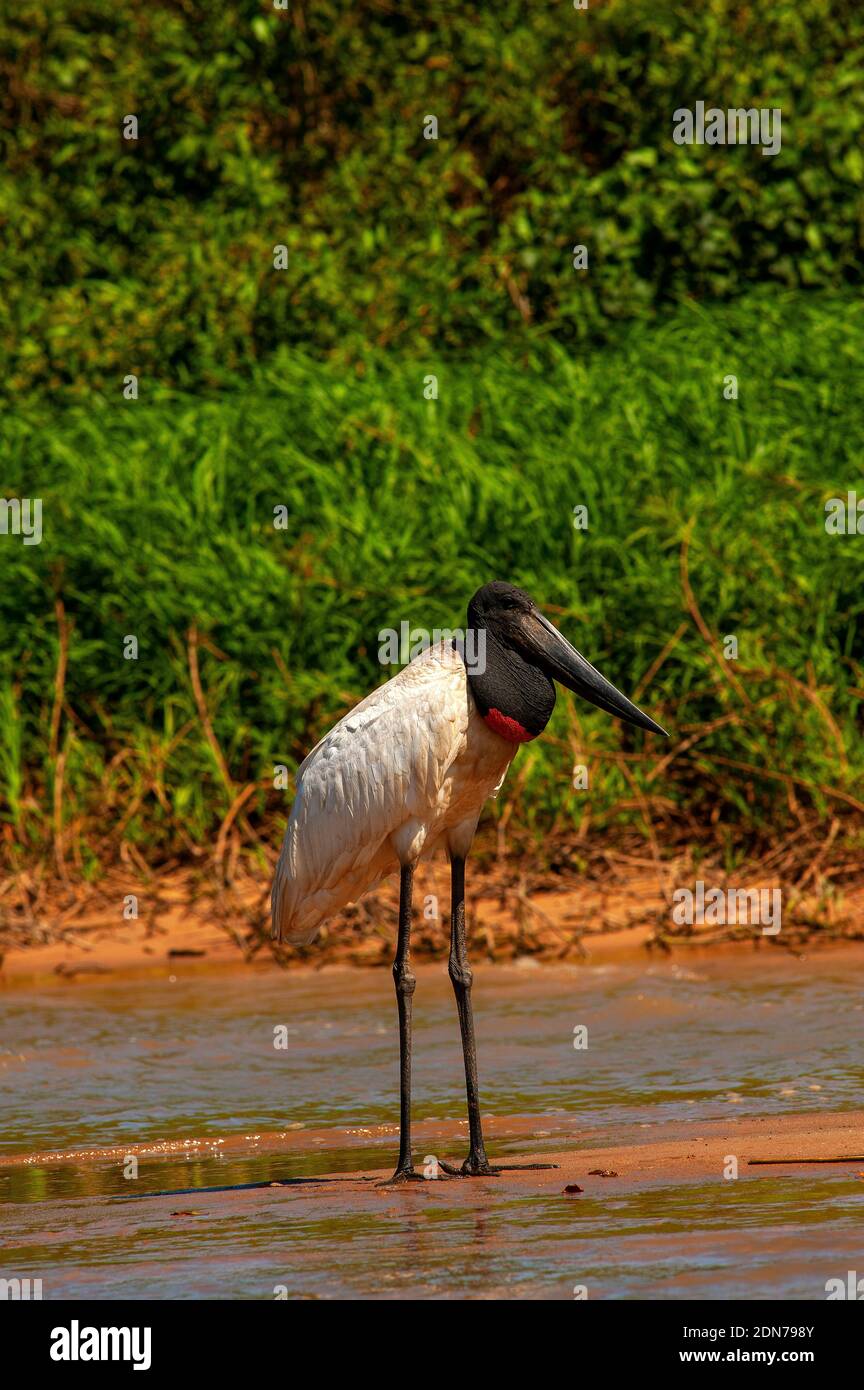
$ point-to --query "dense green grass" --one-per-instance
(158, 514)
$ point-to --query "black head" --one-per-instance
(502, 607)
(524, 655)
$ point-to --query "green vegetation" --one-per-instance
(302, 388)
(706, 518)
(303, 128)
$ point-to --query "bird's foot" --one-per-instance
(408, 1174)
(433, 1170)
(476, 1166)
(471, 1168)
(402, 1175)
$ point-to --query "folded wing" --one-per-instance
(383, 765)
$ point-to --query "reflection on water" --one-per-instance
(90, 1065)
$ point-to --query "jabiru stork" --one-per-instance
(408, 771)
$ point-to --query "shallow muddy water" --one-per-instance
(189, 1059)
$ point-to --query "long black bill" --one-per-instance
(564, 664)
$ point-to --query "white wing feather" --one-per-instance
(383, 784)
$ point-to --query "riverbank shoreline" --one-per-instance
(778, 1145)
(770, 1145)
(187, 922)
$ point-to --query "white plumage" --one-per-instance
(406, 771)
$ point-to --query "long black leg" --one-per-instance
(476, 1164)
(405, 984)
(462, 978)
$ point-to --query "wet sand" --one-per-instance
(834, 1141)
(668, 1225)
(790, 1143)
(688, 1067)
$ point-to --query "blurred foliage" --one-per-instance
(706, 518)
(303, 127)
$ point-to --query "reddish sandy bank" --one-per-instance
(589, 923)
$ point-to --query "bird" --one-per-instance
(407, 772)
